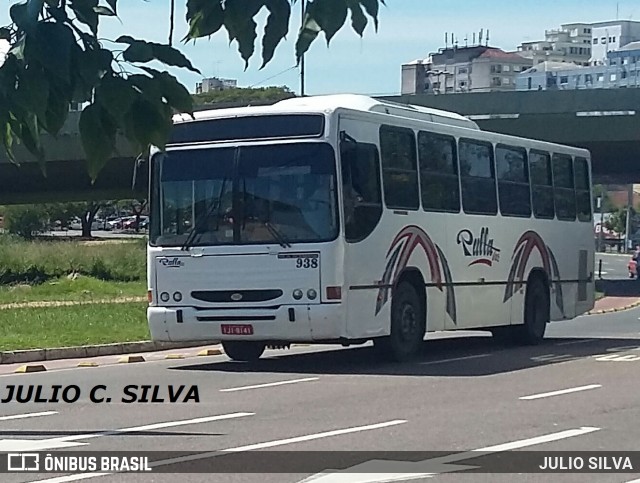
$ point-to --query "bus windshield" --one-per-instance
(277, 193)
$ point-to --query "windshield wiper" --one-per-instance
(277, 235)
(199, 223)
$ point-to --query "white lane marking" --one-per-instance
(571, 342)
(560, 392)
(28, 415)
(366, 472)
(26, 445)
(11, 445)
(150, 427)
(618, 358)
(268, 444)
(311, 437)
(270, 384)
(454, 359)
(634, 481)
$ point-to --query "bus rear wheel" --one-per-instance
(407, 326)
(245, 350)
(536, 314)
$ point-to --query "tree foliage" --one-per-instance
(244, 95)
(58, 57)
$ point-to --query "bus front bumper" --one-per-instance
(186, 324)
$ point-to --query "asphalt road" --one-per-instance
(465, 393)
(614, 266)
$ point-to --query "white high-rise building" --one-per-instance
(610, 36)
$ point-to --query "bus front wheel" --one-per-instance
(536, 313)
(407, 326)
(245, 351)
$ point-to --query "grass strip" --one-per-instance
(43, 328)
(79, 290)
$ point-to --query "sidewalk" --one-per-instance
(614, 304)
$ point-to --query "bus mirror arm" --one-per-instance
(138, 182)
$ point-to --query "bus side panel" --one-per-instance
(480, 253)
(389, 249)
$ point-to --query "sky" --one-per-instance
(408, 30)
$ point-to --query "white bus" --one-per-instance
(344, 219)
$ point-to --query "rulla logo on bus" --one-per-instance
(171, 262)
(479, 247)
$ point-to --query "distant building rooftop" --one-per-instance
(550, 66)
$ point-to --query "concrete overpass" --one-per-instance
(605, 121)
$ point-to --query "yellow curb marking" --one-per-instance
(175, 356)
(210, 352)
(30, 368)
(131, 359)
(88, 364)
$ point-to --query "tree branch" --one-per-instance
(172, 21)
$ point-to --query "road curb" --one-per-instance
(37, 355)
(615, 309)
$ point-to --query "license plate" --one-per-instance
(237, 329)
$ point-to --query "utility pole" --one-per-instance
(303, 4)
(600, 205)
(628, 224)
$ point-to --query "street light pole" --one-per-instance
(302, 3)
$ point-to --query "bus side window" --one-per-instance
(513, 181)
(362, 197)
(399, 167)
(438, 172)
(583, 193)
(478, 178)
(563, 187)
(541, 185)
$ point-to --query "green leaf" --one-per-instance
(175, 93)
(32, 91)
(30, 136)
(114, 5)
(116, 95)
(51, 47)
(205, 17)
(172, 56)
(142, 51)
(276, 29)
(57, 111)
(106, 11)
(85, 12)
(22, 16)
(238, 20)
(6, 135)
(90, 66)
(98, 138)
(372, 7)
(358, 18)
(138, 52)
(308, 34)
(330, 15)
(147, 125)
(148, 87)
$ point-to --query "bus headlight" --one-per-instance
(164, 296)
(177, 296)
(312, 294)
(297, 294)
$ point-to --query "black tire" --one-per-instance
(245, 351)
(408, 326)
(536, 314)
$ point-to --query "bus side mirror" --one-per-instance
(140, 182)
